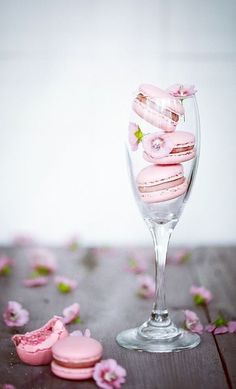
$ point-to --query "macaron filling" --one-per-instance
(153, 105)
(157, 187)
(181, 149)
(73, 364)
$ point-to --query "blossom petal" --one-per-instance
(34, 282)
(210, 327)
(178, 257)
(192, 322)
(43, 261)
(108, 374)
(232, 326)
(65, 284)
(201, 294)
(221, 330)
(181, 91)
(70, 313)
(14, 315)
(146, 286)
(157, 145)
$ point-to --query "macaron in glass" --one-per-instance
(74, 357)
(157, 183)
(168, 149)
(158, 107)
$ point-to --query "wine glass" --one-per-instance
(162, 156)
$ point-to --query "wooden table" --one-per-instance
(109, 304)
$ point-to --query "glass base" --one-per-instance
(157, 339)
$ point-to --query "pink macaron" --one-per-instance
(168, 149)
(35, 347)
(74, 357)
(158, 107)
(158, 183)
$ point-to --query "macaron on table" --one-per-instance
(74, 357)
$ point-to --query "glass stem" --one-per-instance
(161, 233)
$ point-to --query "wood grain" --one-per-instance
(109, 304)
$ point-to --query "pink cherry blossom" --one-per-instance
(181, 91)
(5, 264)
(23, 240)
(73, 244)
(192, 322)
(210, 327)
(34, 282)
(14, 315)
(178, 257)
(65, 284)
(87, 333)
(157, 145)
(201, 295)
(136, 263)
(8, 386)
(71, 313)
(43, 261)
(232, 326)
(146, 286)
(221, 326)
(135, 136)
(108, 374)
(221, 330)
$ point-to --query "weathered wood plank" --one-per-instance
(107, 295)
(216, 270)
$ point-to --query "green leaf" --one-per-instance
(42, 271)
(139, 134)
(132, 263)
(77, 320)
(220, 321)
(35, 274)
(74, 246)
(199, 300)
(63, 288)
(6, 270)
(186, 257)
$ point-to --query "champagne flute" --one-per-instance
(162, 156)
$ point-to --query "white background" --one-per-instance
(67, 72)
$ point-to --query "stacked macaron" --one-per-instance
(165, 147)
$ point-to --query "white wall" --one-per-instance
(67, 72)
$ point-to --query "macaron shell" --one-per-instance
(155, 174)
(171, 158)
(75, 350)
(153, 117)
(180, 139)
(40, 357)
(155, 92)
(165, 194)
(71, 373)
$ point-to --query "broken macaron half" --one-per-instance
(34, 348)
